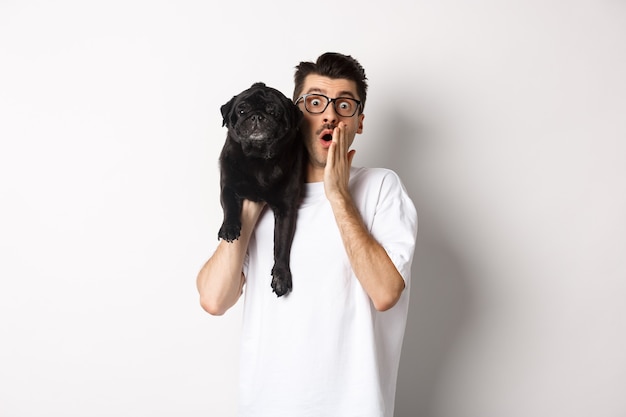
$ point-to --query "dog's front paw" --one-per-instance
(229, 231)
(281, 281)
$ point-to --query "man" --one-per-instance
(332, 346)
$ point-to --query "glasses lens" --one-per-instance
(315, 104)
(345, 107)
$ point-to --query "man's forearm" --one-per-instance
(369, 260)
(220, 281)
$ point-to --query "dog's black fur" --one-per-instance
(263, 160)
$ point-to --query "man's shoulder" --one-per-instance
(366, 175)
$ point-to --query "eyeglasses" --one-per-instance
(317, 103)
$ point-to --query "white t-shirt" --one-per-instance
(324, 350)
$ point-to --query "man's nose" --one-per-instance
(330, 115)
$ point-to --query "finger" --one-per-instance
(335, 150)
(336, 133)
(342, 138)
(330, 157)
(339, 137)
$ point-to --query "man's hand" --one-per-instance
(338, 163)
(250, 211)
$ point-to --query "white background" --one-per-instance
(506, 121)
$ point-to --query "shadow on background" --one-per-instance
(440, 300)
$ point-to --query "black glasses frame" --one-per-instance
(328, 101)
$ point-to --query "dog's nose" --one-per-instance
(257, 118)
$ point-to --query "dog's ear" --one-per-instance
(296, 114)
(225, 109)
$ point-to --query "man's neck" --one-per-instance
(314, 174)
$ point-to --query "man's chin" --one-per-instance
(318, 162)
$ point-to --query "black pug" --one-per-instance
(263, 160)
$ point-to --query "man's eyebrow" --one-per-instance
(317, 90)
(346, 93)
(314, 90)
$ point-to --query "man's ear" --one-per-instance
(225, 109)
(360, 127)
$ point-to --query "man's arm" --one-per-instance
(370, 262)
(220, 281)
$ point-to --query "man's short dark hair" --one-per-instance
(332, 65)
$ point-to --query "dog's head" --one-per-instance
(261, 119)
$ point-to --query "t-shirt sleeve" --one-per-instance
(394, 224)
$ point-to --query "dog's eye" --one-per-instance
(242, 108)
(272, 110)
